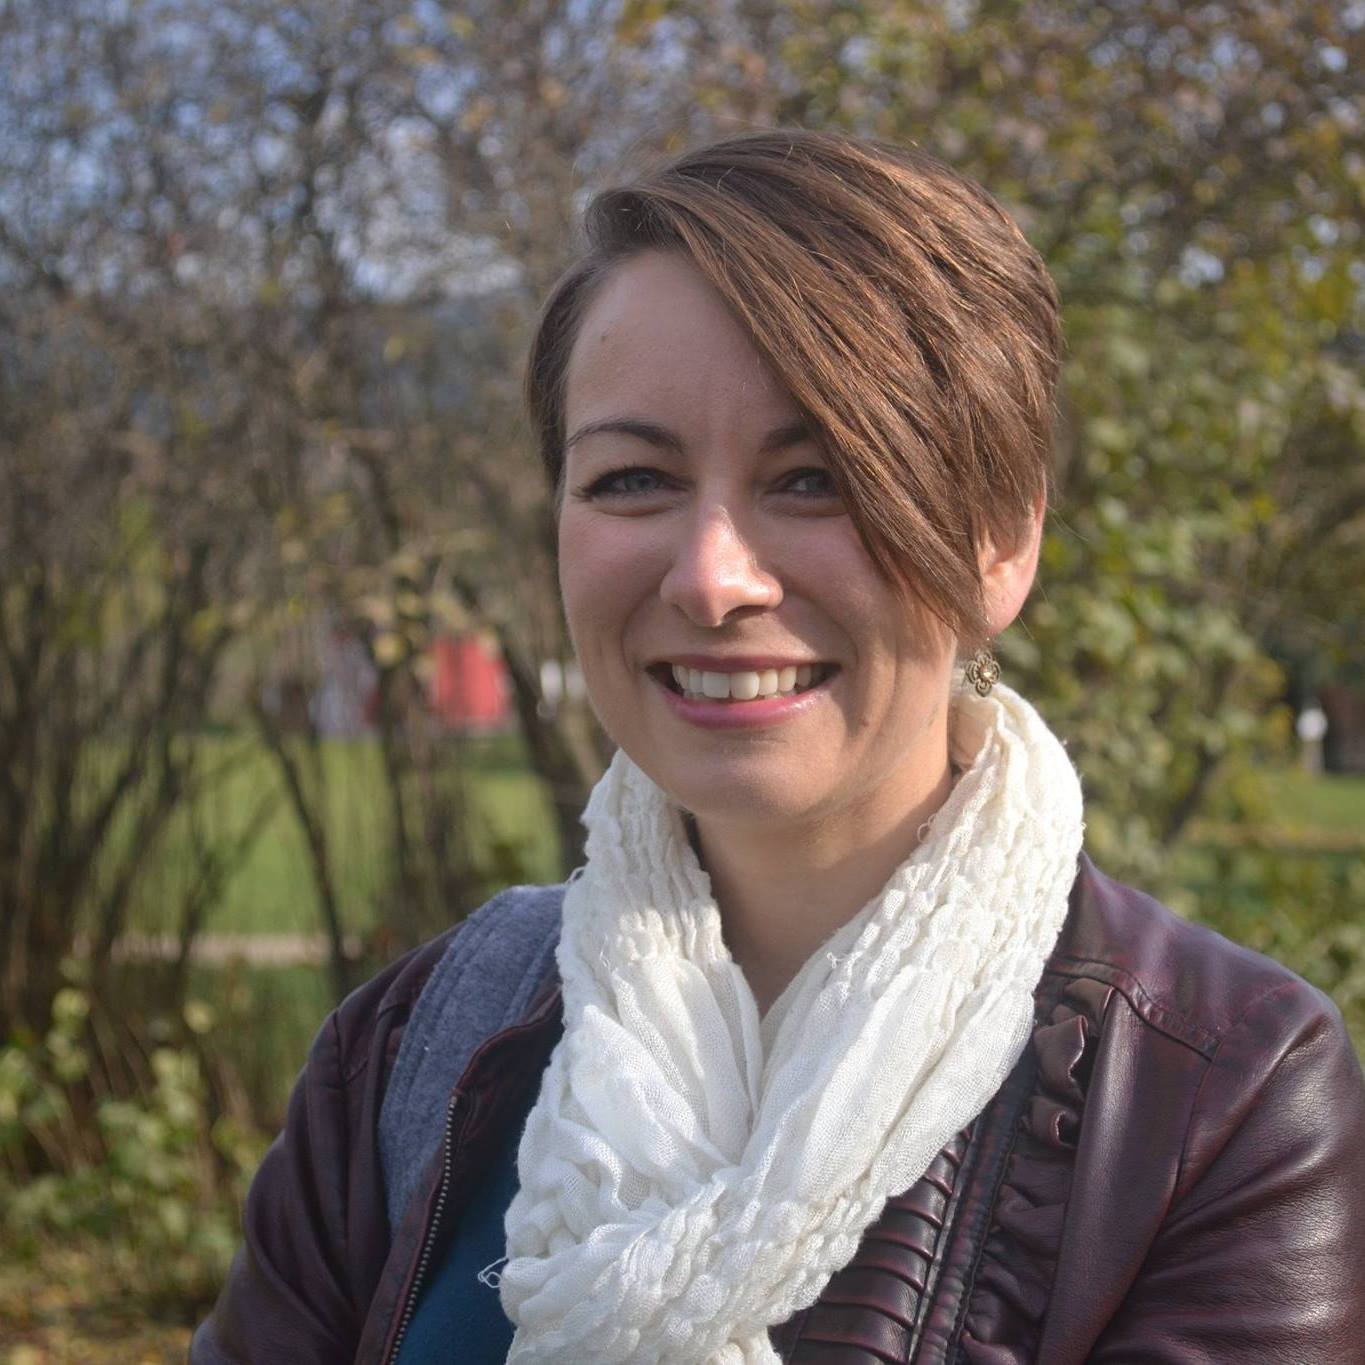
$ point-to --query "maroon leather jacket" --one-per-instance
(1174, 1172)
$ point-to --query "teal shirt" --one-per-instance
(458, 1317)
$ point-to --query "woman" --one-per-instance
(837, 1047)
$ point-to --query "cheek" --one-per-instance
(600, 575)
(577, 578)
(839, 574)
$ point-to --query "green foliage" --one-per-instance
(154, 1181)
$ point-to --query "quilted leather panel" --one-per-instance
(868, 1311)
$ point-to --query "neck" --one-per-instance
(783, 891)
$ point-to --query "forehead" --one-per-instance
(658, 333)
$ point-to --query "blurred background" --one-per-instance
(284, 688)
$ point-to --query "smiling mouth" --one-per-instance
(739, 687)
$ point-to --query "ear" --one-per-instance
(1007, 575)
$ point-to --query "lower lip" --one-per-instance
(743, 715)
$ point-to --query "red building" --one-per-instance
(469, 689)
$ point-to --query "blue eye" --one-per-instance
(622, 483)
(822, 477)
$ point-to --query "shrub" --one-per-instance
(153, 1179)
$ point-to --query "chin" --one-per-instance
(753, 792)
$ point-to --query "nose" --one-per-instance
(715, 572)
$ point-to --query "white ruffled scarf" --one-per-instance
(691, 1175)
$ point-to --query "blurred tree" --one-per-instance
(302, 247)
(118, 560)
(114, 586)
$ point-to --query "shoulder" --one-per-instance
(1180, 978)
(1218, 1176)
(490, 975)
(316, 1234)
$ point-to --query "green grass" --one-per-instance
(1328, 804)
(273, 891)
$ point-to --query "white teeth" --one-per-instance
(715, 685)
(747, 684)
(744, 686)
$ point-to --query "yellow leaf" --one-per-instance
(478, 114)
(389, 649)
(420, 56)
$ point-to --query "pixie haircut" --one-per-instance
(899, 305)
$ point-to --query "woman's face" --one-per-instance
(700, 528)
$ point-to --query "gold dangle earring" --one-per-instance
(983, 672)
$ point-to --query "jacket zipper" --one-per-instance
(448, 1171)
(433, 1229)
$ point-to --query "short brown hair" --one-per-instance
(899, 305)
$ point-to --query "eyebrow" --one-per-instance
(779, 438)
